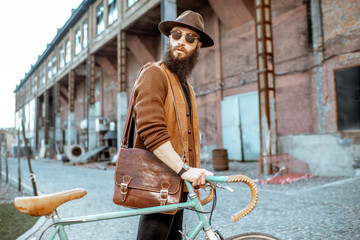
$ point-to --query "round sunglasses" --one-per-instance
(177, 34)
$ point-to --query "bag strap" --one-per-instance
(129, 116)
(130, 113)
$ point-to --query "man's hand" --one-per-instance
(196, 176)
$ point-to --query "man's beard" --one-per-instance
(181, 67)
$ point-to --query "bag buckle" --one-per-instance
(164, 193)
(124, 187)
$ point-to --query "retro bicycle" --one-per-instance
(46, 206)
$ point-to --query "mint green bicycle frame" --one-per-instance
(193, 203)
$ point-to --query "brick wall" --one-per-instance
(341, 30)
(295, 94)
(341, 26)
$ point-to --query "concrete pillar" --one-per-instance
(168, 12)
(58, 136)
(122, 106)
(71, 132)
(219, 82)
(71, 116)
(317, 73)
(121, 101)
(37, 127)
(91, 102)
(46, 118)
(34, 123)
(91, 128)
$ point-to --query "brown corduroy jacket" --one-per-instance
(155, 117)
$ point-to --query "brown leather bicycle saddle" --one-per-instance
(46, 204)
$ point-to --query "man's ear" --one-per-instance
(199, 45)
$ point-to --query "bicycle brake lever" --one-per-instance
(216, 184)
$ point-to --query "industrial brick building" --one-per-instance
(77, 92)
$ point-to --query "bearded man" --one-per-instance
(156, 123)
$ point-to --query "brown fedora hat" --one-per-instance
(191, 20)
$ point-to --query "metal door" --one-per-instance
(240, 125)
(230, 127)
(348, 98)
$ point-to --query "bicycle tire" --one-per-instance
(252, 236)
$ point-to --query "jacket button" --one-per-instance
(189, 132)
(190, 148)
(187, 114)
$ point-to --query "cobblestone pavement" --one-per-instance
(318, 208)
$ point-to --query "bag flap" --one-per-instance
(146, 171)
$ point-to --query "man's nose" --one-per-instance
(182, 40)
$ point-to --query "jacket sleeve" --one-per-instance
(149, 98)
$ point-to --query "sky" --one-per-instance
(26, 28)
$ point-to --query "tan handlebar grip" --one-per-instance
(209, 197)
(254, 195)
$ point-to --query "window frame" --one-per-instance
(49, 69)
(62, 57)
(85, 34)
(100, 21)
(78, 44)
(68, 56)
(54, 66)
(42, 79)
(113, 13)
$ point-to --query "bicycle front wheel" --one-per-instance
(252, 236)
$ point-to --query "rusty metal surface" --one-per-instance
(266, 77)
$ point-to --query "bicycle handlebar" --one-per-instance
(240, 178)
(210, 196)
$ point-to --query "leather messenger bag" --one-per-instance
(141, 179)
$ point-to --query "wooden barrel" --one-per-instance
(220, 159)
